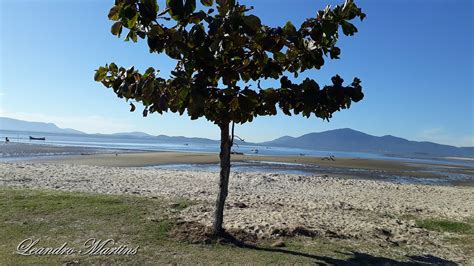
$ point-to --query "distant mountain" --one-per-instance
(199, 140)
(20, 125)
(132, 134)
(354, 141)
(185, 139)
(334, 140)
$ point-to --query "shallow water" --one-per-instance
(440, 175)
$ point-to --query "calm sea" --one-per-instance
(153, 144)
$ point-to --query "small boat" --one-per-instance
(33, 138)
(254, 150)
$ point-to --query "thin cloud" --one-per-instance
(440, 135)
(89, 124)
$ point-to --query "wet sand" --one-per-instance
(130, 158)
(142, 159)
(343, 167)
(22, 150)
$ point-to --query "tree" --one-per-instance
(222, 53)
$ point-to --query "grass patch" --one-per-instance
(181, 204)
(442, 225)
(58, 217)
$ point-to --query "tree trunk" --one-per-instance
(223, 179)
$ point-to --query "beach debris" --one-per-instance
(329, 158)
(302, 231)
(240, 205)
(296, 231)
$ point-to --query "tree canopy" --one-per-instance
(222, 52)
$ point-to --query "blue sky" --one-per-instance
(415, 60)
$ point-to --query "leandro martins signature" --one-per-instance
(92, 247)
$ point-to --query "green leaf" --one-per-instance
(189, 7)
(114, 13)
(179, 9)
(155, 31)
(133, 35)
(116, 29)
(253, 22)
(198, 34)
(113, 68)
(148, 71)
(279, 56)
(234, 104)
(100, 74)
(329, 27)
(176, 8)
(197, 17)
(334, 52)
(173, 52)
(207, 2)
(132, 107)
(348, 28)
(224, 5)
(289, 29)
(131, 22)
(152, 5)
(148, 11)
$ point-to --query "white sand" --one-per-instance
(343, 208)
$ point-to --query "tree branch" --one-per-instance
(232, 138)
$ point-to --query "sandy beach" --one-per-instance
(271, 205)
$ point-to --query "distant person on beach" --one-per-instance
(7, 140)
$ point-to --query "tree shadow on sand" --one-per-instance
(357, 258)
(197, 233)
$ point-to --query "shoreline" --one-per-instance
(19, 150)
(355, 168)
(143, 158)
